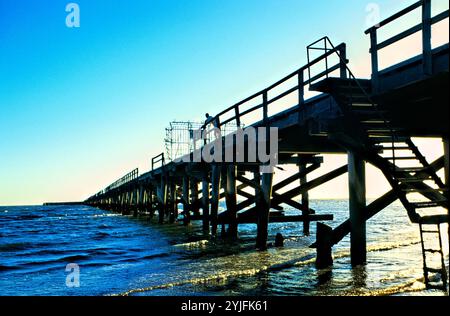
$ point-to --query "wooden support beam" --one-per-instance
(239, 188)
(126, 201)
(162, 199)
(302, 173)
(231, 201)
(378, 205)
(194, 196)
(141, 198)
(185, 198)
(264, 195)
(310, 185)
(244, 194)
(215, 196)
(173, 211)
(357, 204)
(280, 219)
(279, 199)
(426, 38)
(247, 182)
(205, 204)
(151, 202)
(374, 59)
(288, 196)
(447, 182)
(291, 202)
(135, 200)
(305, 199)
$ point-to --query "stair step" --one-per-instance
(334, 84)
(434, 219)
(367, 112)
(423, 190)
(377, 129)
(374, 121)
(366, 85)
(359, 102)
(427, 204)
(383, 132)
(413, 180)
(365, 109)
(401, 158)
(436, 287)
(434, 270)
(411, 169)
(385, 139)
(379, 133)
(320, 134)
(433, 250)
(430, 231)
(397, 148)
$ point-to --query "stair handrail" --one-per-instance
(264, 94)
(427, 21)
(344, 63)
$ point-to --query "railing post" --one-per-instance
(186, 204)
(231, 200)
(426, 37)
(301, 93)
(263, 198)
(238, 116)
(301, 88)
(374, 58)
(265, 108)
(205, 203)
(343, 61)
(357, 205)
(215, 196)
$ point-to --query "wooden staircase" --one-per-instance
(389, 148)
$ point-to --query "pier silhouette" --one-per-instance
(370, 120)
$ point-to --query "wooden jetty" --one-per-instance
(369, 120)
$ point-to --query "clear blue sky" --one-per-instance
(80, 107)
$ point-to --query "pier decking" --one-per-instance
(370, 120)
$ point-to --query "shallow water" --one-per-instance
(120, 255)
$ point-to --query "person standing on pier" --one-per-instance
(215, 122)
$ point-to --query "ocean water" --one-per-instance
(122, 255)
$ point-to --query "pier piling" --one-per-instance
(231, 201)
(324, 245)
(357, 205)
(264, 196)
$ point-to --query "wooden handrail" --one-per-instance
(417, 28)
(395, 16)
(156, 159)
(424, 26)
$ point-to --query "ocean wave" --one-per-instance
(28, 217)
(68, 259)
(194, 244)
(14, 246)
(103, 215)
(157, 255)
(8, 268)
(101, 235)
(412, 285)
(295, 262)
(216, 278)
(224, 276)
